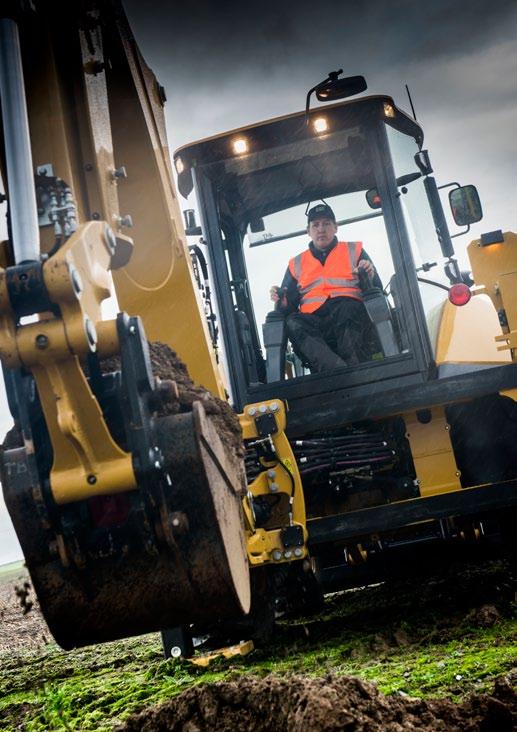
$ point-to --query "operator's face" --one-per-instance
(322, 232)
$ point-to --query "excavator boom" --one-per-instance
(126, 502)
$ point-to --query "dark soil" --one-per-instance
(410, 640)
(333, 703)
(168, 366)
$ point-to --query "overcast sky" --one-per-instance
(225, 65)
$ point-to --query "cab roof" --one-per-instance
(192, 153)
(274, 166)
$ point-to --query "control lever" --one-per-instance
(281, 303)
(365, 281)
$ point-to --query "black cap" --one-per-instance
(321, 211)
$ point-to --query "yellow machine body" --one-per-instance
(279, 478)
(479, 320)
(494, 267)
(97, 127)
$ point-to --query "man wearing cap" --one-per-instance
(320, 293)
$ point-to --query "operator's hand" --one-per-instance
(367, 266)
(278, 296)
(274, 292)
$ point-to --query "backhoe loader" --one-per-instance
(134, 516)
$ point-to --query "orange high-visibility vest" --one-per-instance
(335, 278)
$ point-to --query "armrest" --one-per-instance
(380, 315)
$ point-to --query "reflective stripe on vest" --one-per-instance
(335, 278)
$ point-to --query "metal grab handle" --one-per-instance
(20, 177)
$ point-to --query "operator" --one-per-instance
(321, 296)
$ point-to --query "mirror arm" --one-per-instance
(333, 75)
(460, 233)
(308, 102)
(449, 185)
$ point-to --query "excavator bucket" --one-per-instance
(168, 553)
(200, 573)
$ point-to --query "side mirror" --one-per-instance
(465, 205)
(373, 199)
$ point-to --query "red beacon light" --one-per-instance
(459, 294)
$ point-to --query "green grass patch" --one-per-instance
(381, 634)
(92, 690)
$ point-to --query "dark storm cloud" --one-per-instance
(225, 65)
(252, 63)
(213, 37)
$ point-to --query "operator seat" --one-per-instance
(379, 312)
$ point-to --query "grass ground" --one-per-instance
(441, 636)
(11, 569)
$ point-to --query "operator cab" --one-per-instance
(253, 187)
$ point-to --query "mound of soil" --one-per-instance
(296, 704)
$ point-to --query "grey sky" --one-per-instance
(224, 65)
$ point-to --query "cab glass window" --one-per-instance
(261, 196)
(267, 254)
(419, 223)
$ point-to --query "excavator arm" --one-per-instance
(128, 508)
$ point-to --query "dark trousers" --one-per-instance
(331, 337)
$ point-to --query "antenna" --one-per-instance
(411, 102)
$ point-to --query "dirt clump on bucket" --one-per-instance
(274, 704)
(168, 366)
